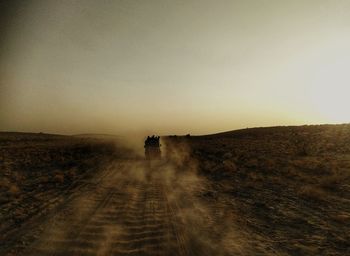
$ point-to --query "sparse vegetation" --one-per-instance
(313, 193)
(285, 182)
(39, 168)
(287, 198)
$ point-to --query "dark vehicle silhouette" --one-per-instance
(152, 148)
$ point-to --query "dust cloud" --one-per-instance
(143, 208)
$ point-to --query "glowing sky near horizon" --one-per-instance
(173, 66)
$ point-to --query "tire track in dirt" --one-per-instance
(121, 216)
(62, 235)
(17, 239)
(147, 228)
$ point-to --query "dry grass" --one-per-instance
(288, 187)
(36, 167)
(58, 178)
(312, 192)
(286, 182)
(14, 190)
(343, 218)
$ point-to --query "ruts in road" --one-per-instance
(130, 209)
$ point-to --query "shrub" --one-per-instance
(331, 182)
(313, 193)
(4, 184)
(59, 178)
(13, 190)
(229, 166)
(341, 218)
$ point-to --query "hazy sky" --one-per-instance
(172, 66)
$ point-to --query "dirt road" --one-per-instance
(127, 209)
(131, 208)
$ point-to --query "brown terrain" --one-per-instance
(260, 191)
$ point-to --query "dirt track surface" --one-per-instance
(129, 209)
(118, 217)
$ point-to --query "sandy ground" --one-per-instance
(132, 208)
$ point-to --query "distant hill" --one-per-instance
(97, 136)
(277, 129)
(21, 136)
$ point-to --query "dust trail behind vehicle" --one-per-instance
(139, 209)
